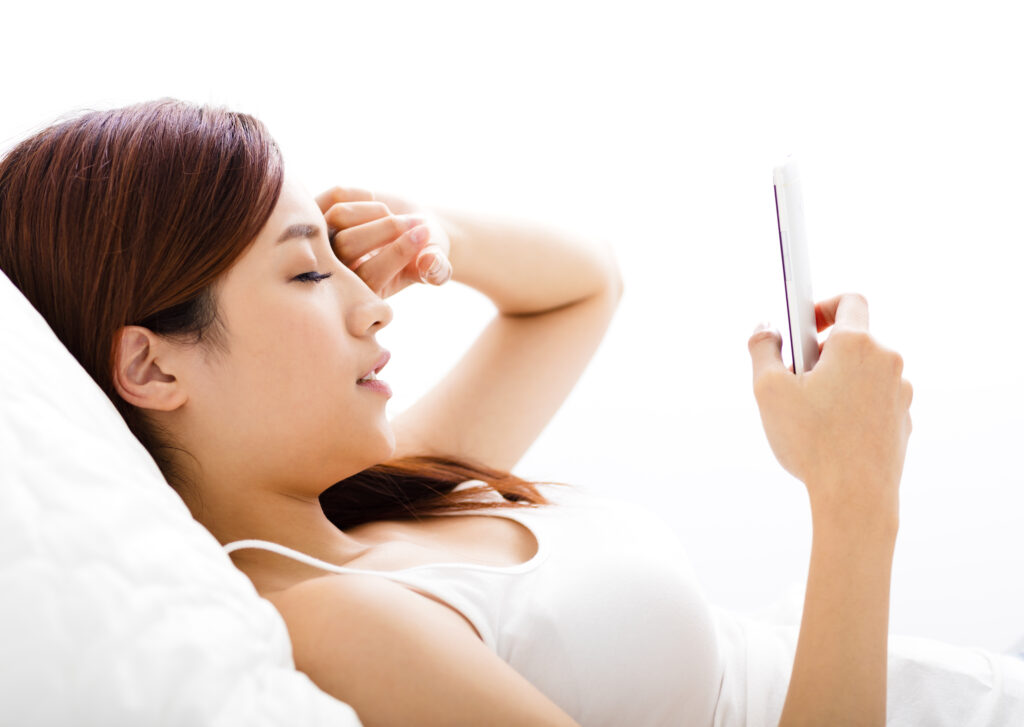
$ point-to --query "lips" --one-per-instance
(380, 363)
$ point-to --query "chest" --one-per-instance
(394, 545)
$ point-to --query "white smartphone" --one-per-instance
(796, 271)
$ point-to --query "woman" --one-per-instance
(231, 317)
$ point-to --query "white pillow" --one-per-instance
(116, 606)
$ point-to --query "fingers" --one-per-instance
(353, 243)
(849, 310)
(343, 215)
(335, 195)
(433, 266)
(380, 269)
(765, 347)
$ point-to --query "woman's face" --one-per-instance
(283, 406)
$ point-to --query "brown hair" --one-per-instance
(127, 217)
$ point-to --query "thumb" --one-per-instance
(765, 347)
(432, 266)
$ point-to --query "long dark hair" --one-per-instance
(127, 217)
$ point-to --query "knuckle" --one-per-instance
(859, 297)
(853, 339)
(897, 363)
(369, 272)
(340, 243)
(329, 197)
(759, 336)
(862, 339)
(398, 225)
(338, 214)
(765, 385)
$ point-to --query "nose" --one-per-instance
(368, 312)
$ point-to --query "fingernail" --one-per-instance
(440, 271)
(410, 221)
(435, 264)
(420, 235)
(762, 326)
(425, 270)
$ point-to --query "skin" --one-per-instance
(842, 428)
(280, 418)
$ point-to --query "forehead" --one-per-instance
(295, 205)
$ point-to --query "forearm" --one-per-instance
(840, 665)
(526, 267)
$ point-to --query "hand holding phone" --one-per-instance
(796, 273)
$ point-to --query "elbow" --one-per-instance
(613, 273)
(617, 285)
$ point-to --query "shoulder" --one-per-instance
(347, 631)
(356, 601)
(398, 657)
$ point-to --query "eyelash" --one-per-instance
(313, 277)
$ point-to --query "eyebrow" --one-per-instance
(299, 231)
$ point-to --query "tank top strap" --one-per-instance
(460, 590)
(287, 552)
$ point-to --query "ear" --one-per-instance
(138, 378)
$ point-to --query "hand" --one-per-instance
(374, 235)
(841, 428)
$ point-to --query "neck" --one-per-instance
(295, 521)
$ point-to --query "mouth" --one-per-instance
(371, 375)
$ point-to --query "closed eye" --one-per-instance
(313, 277)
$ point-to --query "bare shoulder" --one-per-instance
(400, 658)
(358, 597)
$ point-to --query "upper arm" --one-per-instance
(499, 397)
(398, 658)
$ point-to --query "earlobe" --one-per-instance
(138, 378)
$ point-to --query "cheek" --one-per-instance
(308, 365)
(296, 358)
(300, 340)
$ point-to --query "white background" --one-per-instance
(655, 126)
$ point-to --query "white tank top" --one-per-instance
(607, 619)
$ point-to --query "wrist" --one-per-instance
(877, 521)
(525, 267)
